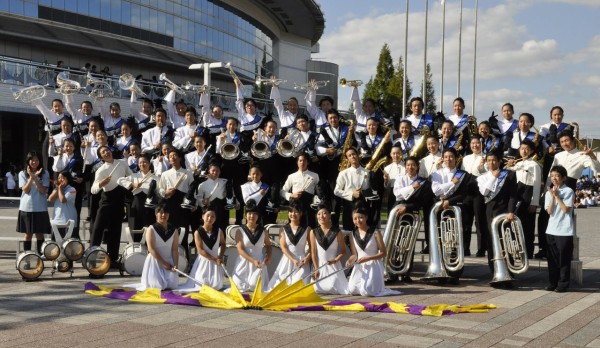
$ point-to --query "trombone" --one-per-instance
(128, 83)
(173, 86)
(350, 83)
(270, 81)
(314, 85)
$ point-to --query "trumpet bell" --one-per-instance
(28, 94)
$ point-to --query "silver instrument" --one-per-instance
(446, 248)
(66, 86)
(400, 237)
(50, 250)
(260, 148)
(133, 258)
(229, 150)
(350, 83)
(172, 85)
(101, 88)
(508, 246)
(128, 83)
(28, 94)
(314, 85)
(96, 261)
(231, 72)
(270, 81)
(291, 144)
(199, 88)
(30, 265)
(72, 248)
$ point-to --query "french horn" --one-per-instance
(400, 237)
(446, 248)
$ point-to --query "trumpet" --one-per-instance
(66, 86)
(28, 94)
(199, 88)
(314, 85)
(271, 81)
(231, 72)
(101, 88)
(350, 83)
(171, 84)
(446, 250)
(260, 148)
(289, 146)
(400, 237)
(509, 249)
(128, 83)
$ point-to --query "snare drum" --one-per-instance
(30, 265)
(50, 250)
(133, 258)
(73, 249)
(96, 261)
(62, 264)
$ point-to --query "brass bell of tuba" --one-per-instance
(260, 148)
(508, 245)
(400, 237)
(446, 250)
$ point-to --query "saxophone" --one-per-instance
(418, 148)
(379, 158)
(344, 164)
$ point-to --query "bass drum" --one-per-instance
(73, 249)
(96, 261)
(133, 258)
(30, 265)
(50, 250)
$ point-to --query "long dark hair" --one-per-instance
(29, 157)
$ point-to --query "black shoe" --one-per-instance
(425, 250)
(406, 279)
(229, 203)
(550, 288)
(453, 281)
(540, 255)
(480, 253)
(115, 265)
(509, 285)
(560, 290)
(467, 252)
(188, 203)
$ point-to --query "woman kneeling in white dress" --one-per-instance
(293, 241)
(368, 250)
(251, 242)
(162, 240)
(327, 250)
(210, 243)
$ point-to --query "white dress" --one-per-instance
(336, 284)
(245, 274)
(286, 265)
(154, 275)
(366, 278)
(204, 270)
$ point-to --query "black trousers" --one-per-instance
(559, 253)
(109, 218)
(481, 225)
(528, 224)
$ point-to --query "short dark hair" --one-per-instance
(326, 98)
(450, 149)
(560, 170)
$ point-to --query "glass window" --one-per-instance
(136, 13)
(144, 18)
(126, 13)
(169, 6)
(105, 9)
(58, 4)
(169, 30)
(162, 23)
(16, 7)
(154, 20)
(178, 28)
(94, 8)
(162, 5)
(4, 6)
(71, 6)
(82, 7)
(41, 2)
(154, 3)
(177, 9)
(115, 11)
(31, 10)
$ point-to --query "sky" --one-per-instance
(534, 54)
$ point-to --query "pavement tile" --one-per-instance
(414, 341)
(351, 332)
(510, 342)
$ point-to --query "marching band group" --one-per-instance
(322, 169)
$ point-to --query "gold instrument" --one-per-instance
(446, 248)
(472, 126)
(260, 147)
(344, 164)
(101, 88)
(172, 85)
(379, 158)
(199, 88)
(536, 137)
(314, 85)
(28, 94)
(290, 145)
(66, 86)
(271, 81)
(128, 83)
(508, 246)
(417, 150)
(352, 83)
(575, 127)
(400, 237)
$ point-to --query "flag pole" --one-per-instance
(425, 60)
(475, 57)
(443, 46)
(405, 65)
(459, 47)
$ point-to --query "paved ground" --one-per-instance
(54, 312)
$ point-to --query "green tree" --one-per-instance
(393, 104)
(377, 88)
(430, 105)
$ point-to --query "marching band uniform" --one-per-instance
(245, 274)
(247, 121)
(234, 171)
(179, 216)
(296, 242)
(142, 119)
(394, 171)
(252, 190)
(110, 210)
(327, 247)
(183, 138)
(155, 135)
(430, 164)
(490, 143)
(348, 181)
(286, 118)
(123, 143)
(214, 125)
(57, 142)
(360, 114)
(418, 122)
(306, 181)
(204, 270)
(368, 144)
(214, 191)
(52, 126)
(549, 134)
(504, 129)
(174, 118)
(514, 139)
(474, 165)
(139, 215)
(314, 110)
(461, 126)
(80, 119)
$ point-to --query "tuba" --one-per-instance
(127, 82)
(446, 250)
(260, 148)
(508, 246)
(101, 88)
(289, 146)
(400, 237)
(28, 94)
(66, 86)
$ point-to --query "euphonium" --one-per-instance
(344, 164)
(28, 94)
(288, 146)
(66, 86)
(446, 249)
(229, 150)
(508, 246)
(379, 158)
(400, 237)
(422, 144)
(128, 83)
(101, 88)
(260, 148)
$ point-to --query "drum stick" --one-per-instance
(187, 276)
